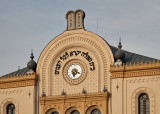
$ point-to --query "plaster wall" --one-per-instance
(126, 91)
(22, 97)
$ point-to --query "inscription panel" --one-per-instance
(74, 53)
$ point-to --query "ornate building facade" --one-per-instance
(78, 72)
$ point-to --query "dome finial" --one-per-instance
(120, 54)
(31, 65)
(32, 54)
(120, 45)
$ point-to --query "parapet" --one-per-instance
(22, 80)
(135, 70)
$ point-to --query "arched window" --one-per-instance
(10, 109)
(54, 112)
(75, 112)
(143, 104)
(96, 111)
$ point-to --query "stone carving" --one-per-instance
(18, 81)
(11, 91)
(77, 38)
(75, 20)
(74, 53)
(143, 79)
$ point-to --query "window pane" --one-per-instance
(75, 112)
(143, 102)
(11, 109)
(96, 111)
(55, 112)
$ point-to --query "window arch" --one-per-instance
(143, 104)
(55, 112)
(10, 109)
(96, 111)
(52, 111)
(75, 112)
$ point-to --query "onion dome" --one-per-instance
(119, 55)
(31, 65)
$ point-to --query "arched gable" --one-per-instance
(97, 67)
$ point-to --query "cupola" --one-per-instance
(119, 55)
(31, 65)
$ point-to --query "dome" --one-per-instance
(31, 65)
(119, 55)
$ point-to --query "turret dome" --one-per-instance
(31, 65)
(119, 55)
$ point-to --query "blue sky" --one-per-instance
(32, 24)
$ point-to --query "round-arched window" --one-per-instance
(10, 109)
(75, 112)
(96, 111)
(54, 112)
(143, 104)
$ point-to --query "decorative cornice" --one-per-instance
(67, 103)
(135, 70)
(14, 81)
(73, 98)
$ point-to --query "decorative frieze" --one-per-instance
(135, 70)
(81, 101)
(11, 91)
(14, 81)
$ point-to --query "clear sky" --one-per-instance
(32, 24)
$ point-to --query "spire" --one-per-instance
(120, 45)
(119, 55)
(32, 54)
(31, 65)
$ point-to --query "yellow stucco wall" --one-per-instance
(22, 97)
(125, 92)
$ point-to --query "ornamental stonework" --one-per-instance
(135, 70)
(18, 81)
(94, 54)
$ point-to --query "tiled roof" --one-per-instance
(18, 72)
(131, 58)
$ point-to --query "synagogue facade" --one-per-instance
(78, 72)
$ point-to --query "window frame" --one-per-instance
(143, 104)
(9, 107)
